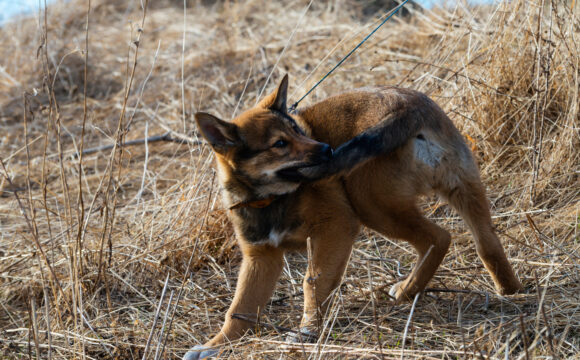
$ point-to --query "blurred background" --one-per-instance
(114, 243)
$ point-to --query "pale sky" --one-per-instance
(9, 8)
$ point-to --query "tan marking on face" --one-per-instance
(260, 129)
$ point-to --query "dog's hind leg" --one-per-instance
(470, 201)
(429, 240)
(261, 267)
(386, 202)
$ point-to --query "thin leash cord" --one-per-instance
(295, 105)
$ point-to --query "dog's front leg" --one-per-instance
(330, 255)
(261, 267)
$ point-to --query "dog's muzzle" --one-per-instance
(294, 173)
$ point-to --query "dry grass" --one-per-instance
(87, 244)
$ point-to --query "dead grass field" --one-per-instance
(127, 253)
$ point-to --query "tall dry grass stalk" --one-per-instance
(127, 253)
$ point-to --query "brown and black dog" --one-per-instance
(283, 184)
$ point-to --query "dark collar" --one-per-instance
(256, 204)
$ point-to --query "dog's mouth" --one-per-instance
(297, 172)
(293, 173)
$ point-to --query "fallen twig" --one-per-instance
(409, 323)
(168, 136)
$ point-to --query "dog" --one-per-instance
(283, 184)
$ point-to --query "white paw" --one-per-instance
(393, 290)
(199, 352)
(305, 336)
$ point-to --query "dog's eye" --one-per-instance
(280, 144)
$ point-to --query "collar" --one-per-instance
(256, 204)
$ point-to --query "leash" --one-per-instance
(256, 204)
(393, 12)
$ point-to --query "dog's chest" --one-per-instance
(275, 237)
(267, 226)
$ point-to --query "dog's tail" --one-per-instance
(383, 138)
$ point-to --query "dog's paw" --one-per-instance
(199, 352)
(394, 290)
(510, 287)
(400, 293)
(304, 336)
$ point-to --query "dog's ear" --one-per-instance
(221, 135)
(277, 99)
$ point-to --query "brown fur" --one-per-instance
(392, 146)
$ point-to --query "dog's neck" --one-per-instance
(239, 192)
(259, 220)
(241, 195)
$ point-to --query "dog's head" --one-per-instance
(263, 148)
